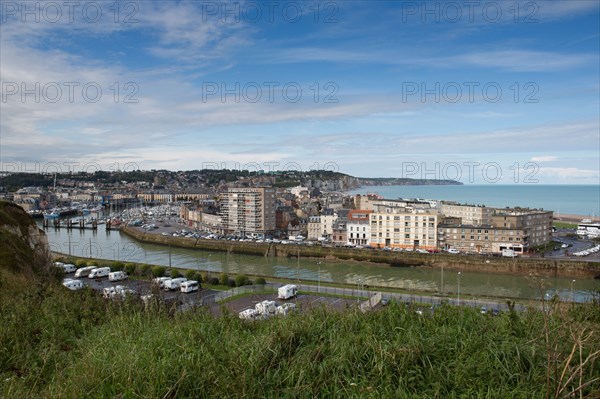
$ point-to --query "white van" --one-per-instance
(69, 268)
(117, 276)
(73, 285)
(100, 272)
(190, 286)
(173, 284)
(84, 271)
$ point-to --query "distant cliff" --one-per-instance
(395, 181)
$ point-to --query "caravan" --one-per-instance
(73, 285)
(84, 271)
(287, 291)
(117, 276)
(173, 284)
(190, 286)
(100, 272)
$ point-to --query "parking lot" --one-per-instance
(303, 302)
(145, 287)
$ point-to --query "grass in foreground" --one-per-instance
(62, 344)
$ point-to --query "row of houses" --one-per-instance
(381, 223)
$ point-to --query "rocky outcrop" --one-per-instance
(24, 248)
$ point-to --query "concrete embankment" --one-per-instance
(522, 266)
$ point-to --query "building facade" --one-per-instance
(249, 211)
(404, 228)
(517, 230)
(358, 227)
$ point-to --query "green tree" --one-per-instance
(241, 280)
(130, 268)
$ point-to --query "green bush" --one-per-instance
(190, 274)
(116, 266)
(231, 283)
(241, 280)
(213, 281)
(145, 270)
(81, 263)
(224, 279)
(130, 268)
(175, 273)
(260, 281)
(159, 271)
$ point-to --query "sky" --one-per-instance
(481, 92)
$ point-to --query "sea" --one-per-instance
(581, 200)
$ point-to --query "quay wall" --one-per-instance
(522, 266)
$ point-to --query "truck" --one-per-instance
(287, 291)
(84, 271)
(99, 272)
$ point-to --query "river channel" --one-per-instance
(117, 246)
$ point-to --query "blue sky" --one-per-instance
(487, 92)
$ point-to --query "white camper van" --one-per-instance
(117, 276)
(73, 285)
(173, 284)
(190, 286)
(84, 271)
(249, 314)
(287, 291)
(100, 272)
(160, 281)
(69, 268)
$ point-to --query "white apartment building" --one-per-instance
(404, 228)
(359, 227)
(249, 211)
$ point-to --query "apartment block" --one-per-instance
(514, 229)
(404, 228)
(472, 215)
(249, 211)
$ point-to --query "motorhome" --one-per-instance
(173, 284)
(73, 285)
(117, 276)
(287, 291)
(69, 268)
(190, 286)
(84, 271)
(100, 272)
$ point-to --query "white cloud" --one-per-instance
(547, 158)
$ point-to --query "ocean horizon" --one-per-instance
(577, 199)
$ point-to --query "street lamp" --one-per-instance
(572, 297)
(458, 288)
